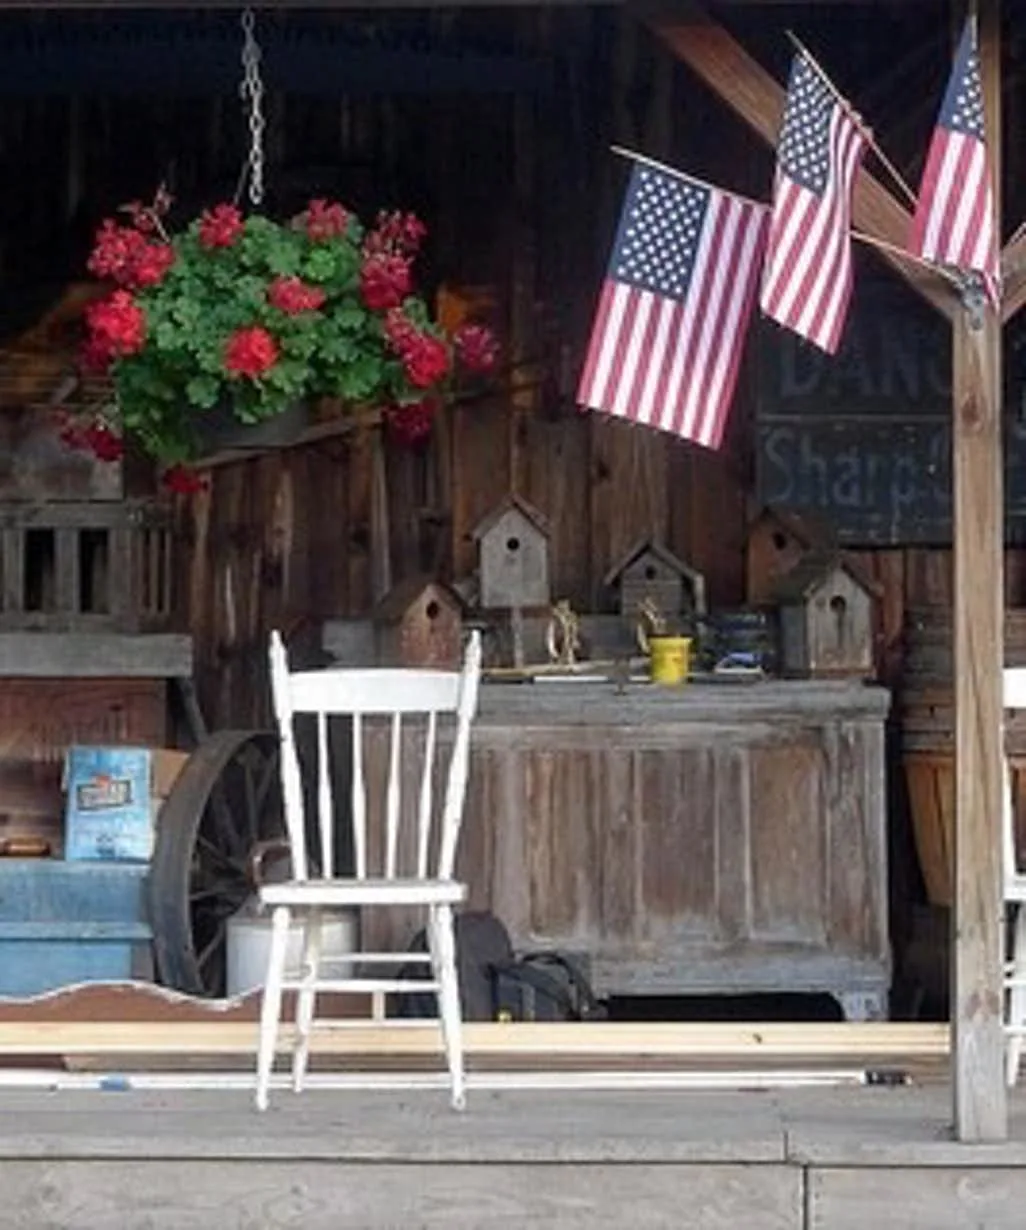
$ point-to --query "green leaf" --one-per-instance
(202, 391)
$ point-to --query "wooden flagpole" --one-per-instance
(634, 156)
(861, 124)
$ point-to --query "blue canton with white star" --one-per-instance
(803, 152)
(657, 240)
(962, 110)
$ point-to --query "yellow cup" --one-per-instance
(670, 658)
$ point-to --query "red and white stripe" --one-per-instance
(672, 364)
(808, 278)
(954, 218)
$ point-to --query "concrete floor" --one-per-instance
(833, 1159)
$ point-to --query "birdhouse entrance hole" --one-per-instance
(513, 544)
(432, 610)
(650, 572)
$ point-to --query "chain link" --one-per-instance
(252, 93)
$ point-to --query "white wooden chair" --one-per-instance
(1014, 895)
(416, 869)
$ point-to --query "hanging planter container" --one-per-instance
(220, 431)
(224, 335)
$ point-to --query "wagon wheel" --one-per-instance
(225, 801)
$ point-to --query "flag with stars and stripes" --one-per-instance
(954, 217)
(807, 281)
(672, 316)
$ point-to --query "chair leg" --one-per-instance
(306, 998)
(270, 1007)
(1016, 996)
(443, 952)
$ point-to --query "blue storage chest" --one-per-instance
(64, 922)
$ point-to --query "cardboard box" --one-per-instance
(114, 795)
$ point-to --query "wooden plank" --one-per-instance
(746, 1042)
(95, 655)
(928, 1197)
(980, 1105)
(190, 1193)
(745, 86)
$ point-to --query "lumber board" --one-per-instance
(683, 1040)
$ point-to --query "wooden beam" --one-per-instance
(753, 94)
(1013, 268)
(980, 1104)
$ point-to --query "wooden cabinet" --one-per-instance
(720, 838)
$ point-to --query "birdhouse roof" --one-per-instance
(526, 510)
(404, 593)
(808, 531)
(651, 547)
(812, 571)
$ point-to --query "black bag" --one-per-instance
(495, 984)
(482, 944)
(545, 986)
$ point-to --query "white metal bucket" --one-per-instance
(248, 942)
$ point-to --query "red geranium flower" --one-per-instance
(325, 220)
(152, 263)
(104, 443)
(250, 352)
(115, 251)
(395, 233)
(384, 282)
(182, 481)
(426, 362)
(400, 332)
(117, 325)
(95, 357)
(410, 425)
(126, 256)
(98, 438)
(476, 347)
(292, 296)
(220, 227)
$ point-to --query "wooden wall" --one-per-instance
(520, 191)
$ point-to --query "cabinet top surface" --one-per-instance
(593, 702)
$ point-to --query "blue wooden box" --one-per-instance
(63, 923)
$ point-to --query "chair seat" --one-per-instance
(339, 892)
(1014, 888)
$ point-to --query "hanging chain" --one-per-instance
(252, 93)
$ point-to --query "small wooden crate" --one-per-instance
(85, 567)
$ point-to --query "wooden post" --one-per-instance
(980, 1105)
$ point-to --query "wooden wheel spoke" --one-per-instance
(212, 946)
(223, 803)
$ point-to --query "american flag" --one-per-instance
(954, 218)
(807, 281)
(679, 290)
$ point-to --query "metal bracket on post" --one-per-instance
(974, 298)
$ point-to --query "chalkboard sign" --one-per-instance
(862, 440)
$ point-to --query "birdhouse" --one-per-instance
(826, 618)
(419, 623)
(651, 573)
(513, 555)
(777, 539)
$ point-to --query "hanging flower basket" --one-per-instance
(247, 321)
